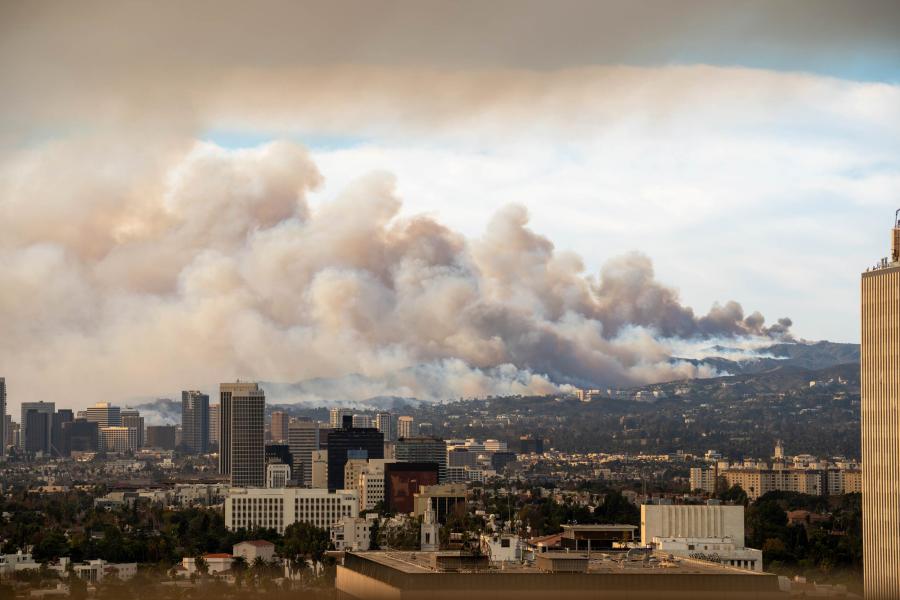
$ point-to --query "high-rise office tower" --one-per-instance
(279, 427)
(880, 388)
(38, 424)
(162, 437)
(423, 450)
(303, 440)
(242, 444)
(118, 439)
(104, 414)
(384, 422)
(60, 418)
(2, 416)
(46, 408)
(79, 435)
(363, 421)
(336, 417)
(195, 422)
(363, 443)
(405, 427)
(214, 426)
(132, 418)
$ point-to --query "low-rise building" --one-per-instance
(353, 533)
(95, 571)
(253, 549)
(502, 547)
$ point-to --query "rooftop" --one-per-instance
(423, 562)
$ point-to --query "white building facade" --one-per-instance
(246, 508)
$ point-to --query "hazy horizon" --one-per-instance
(449, 198)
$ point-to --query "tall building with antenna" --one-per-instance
(880, 388)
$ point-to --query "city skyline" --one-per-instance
(434, 215)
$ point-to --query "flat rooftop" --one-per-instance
(598, 563)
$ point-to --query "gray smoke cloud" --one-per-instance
(169, 267)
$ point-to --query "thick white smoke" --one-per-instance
(128, 273)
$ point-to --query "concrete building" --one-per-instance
(104, 414)
(319, 469)
(95, 571)
(423, 450)
(303, 440)
(118, 439)
(759, 481)
(246, 508)
(707, 532)
(452, 575)
(683, 520)
(384, 422)
(253, 549)
(278, 475)
(216, 563)
(133, 418)
(242, 434)
(279, 426)
(502, 547)
(443, 499)
(880, 396)
(352, 533)
(195, 422)
(44, 408)
(704, 479)
(405, 427)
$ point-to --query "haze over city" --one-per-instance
(395, 299)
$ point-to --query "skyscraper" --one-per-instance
(46, 408)
(104, 414)
(880, 388)
(279, 426)
(336, 417)
(405, 427)
(303, 439)
(423, 450)
(133, 419)
(242, 445)
(364, 443)
(60, 418)
(384, 422)
(38, 424)
(214, 426)
(2, 416)
(195, 422)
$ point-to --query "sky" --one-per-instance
(431, 198)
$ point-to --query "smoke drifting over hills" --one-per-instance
(179, 269)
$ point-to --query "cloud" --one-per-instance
(214, 265)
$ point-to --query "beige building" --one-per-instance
(758, 482)
(880, 390)
(703, 478)
(319, 472)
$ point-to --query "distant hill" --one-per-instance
(805, 355)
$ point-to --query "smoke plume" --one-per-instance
(177, 269)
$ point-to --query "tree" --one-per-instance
(202, 565)
(303, 542)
